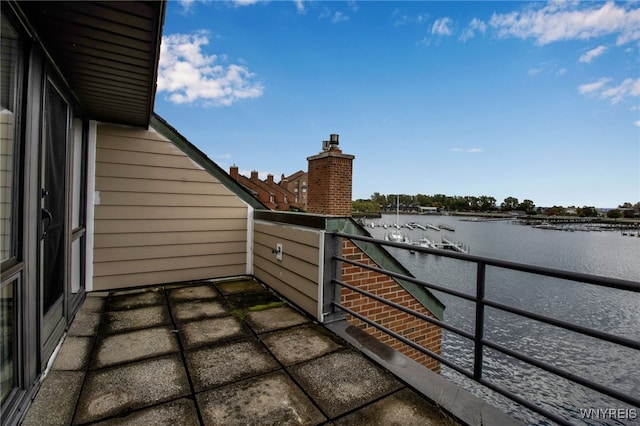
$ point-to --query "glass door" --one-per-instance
(53, 233)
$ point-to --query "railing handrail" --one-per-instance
(599, 280)
(480, 342)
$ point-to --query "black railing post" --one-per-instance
(479, 332)
(332, 271)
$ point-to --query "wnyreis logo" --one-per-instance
(609, 413)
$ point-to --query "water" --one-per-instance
(600, 253)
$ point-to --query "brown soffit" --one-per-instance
(106, 51)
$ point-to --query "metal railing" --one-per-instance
(333, 306)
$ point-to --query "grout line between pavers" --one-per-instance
(182, 355)
(91, 354)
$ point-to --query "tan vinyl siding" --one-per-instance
(296, 276)
(159, 217)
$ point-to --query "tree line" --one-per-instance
(483, 203)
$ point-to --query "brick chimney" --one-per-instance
(330, 180)
(233, 171)
(254, 176)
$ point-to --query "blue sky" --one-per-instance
(533, 100)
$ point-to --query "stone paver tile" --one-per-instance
(207, 331)
(343, 381)
(402, 408)
(132, 319)
(180, 412)
(274, 319)
(93, 304)
(299, 344)
(135, 345)
(85, 324)
(243, 286)
(188, 311)
(74, 353)
(136, 300)
(231, 362)
(56, 399)
(193, 292)
(112, 391)
(269, 399)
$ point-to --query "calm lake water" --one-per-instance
(600, 253)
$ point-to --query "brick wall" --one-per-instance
(421, 332)
(330, 181)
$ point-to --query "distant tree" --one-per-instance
(527, 206)
(487, 203)
(556, 211)
(379, 198)
(365, 206)
(614, 214)
(588, 212)
(509, 203)
(625, 206)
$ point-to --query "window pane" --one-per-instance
(8, 74)
(78, 174)
(7, 356)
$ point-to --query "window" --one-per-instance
(9, 201)
(8, 110)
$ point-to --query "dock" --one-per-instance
(449, 245)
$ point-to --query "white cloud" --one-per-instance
(468, 151)
(400, 18)
(589, 56)
(593, 87)
(629, 87)
(547, 68)
(189, 75)
(339, 17)
(637, 123)
(475, 26)
(442, 27)
(186, 5)
(558, 21)
(244, 2)
(300, 6)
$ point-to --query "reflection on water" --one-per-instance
(618, 312)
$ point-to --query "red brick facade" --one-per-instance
(268, 192)
(330, 181)
(421, 332)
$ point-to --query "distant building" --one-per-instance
(297, 184)
(268, 192)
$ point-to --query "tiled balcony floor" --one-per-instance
(218, 353)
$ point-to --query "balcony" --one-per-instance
(281, 346)
(221, 352)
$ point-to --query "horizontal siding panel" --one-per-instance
(166, 225)
(306, 303)
(290, 264)
(169, 251)
(160, 217)
(168, 238)
(142, 158)
(290, 247)
(166, 277)
(152, 172)
(179, 212)
(123, 143)
(169, 264)
(162, 200)
(304, 279)
(122, 184)
(301, 235)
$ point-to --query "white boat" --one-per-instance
(546, 225)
